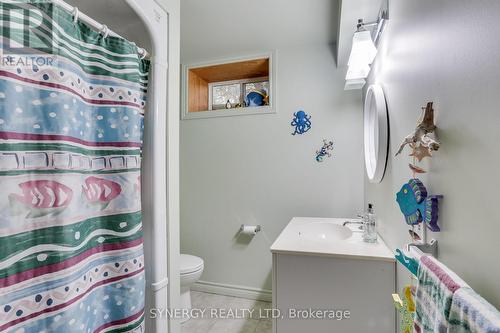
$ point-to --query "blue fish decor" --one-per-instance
(325, 151)
(302, 122)
(417, 206)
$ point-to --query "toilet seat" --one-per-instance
(190, 264)
(191, 269)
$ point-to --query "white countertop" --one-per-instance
(289, 242)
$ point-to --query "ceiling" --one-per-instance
(211, 28)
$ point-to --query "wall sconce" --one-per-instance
(363, 51)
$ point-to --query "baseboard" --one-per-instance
(232, 290)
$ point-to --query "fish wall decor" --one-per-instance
(417, 206)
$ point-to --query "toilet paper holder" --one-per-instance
(250, 229)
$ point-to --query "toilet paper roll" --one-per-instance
(250, 230)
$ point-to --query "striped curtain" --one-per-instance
(71, 256)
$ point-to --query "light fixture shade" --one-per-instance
(354, 84)
(363, 49)
(358, 71)
(363, 53)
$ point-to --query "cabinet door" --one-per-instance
(358, 290)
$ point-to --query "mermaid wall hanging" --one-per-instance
(415, 203)
(419, 209)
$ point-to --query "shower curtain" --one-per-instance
(71, 257)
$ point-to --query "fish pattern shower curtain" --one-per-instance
(71, 256)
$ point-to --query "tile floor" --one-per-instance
(250, 324)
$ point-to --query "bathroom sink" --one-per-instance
(323, 232)
(329, 237)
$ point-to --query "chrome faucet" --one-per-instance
(352, 222)
(355, 222)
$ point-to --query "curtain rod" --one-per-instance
(96, 25)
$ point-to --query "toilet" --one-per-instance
(191, 268)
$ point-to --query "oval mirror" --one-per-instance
(376, 133)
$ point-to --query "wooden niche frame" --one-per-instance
(196, 79)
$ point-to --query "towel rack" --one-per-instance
(411, 258)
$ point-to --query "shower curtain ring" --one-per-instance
(76, 13)
(142, 53)
(105, 30)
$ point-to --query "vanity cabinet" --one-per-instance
(353, 288)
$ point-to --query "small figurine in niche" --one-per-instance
(256, 98)
(417, 206)
(324, 151)
(302, 122)
(421, 141)
(228, 104)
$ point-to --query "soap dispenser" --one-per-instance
(369, 226)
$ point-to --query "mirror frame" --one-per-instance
(376, 133)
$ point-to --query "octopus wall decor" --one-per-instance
(302, 122)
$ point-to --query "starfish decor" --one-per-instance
(420, 152)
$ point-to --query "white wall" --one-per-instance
(447, 51)
(250, 169)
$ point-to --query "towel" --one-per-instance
(435, 289)
(470, 313)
